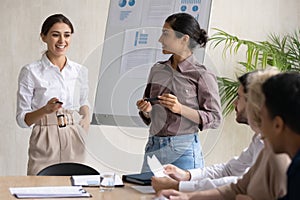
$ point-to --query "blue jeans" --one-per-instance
(183, 151)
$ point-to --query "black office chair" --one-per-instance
(68, 169)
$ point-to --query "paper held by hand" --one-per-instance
(156, 167)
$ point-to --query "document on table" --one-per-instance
(92, 180)
(144, 189)
(49, 192)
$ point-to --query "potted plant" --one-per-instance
(282, 52)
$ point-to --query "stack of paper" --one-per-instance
(49, 192)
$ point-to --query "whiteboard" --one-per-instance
(130, 49)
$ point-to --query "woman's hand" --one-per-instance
(171, 102)
(85, 123)
(143, 105)
(177, 173)
(52, 105)
(84, 111)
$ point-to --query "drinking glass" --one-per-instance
(107, 181)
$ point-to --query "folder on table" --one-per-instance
(141, 179)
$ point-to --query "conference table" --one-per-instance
(126, 192)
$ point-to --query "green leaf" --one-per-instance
(282, 52)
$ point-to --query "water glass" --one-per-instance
(107, 181)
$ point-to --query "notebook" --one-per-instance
(141, 179)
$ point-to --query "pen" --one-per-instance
(150, 99)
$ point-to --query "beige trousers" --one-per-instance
(50, 144)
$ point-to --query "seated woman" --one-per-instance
(266, 179)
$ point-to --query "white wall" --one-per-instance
(115, 147)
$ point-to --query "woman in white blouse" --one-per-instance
(53, 99)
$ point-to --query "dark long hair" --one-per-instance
(186, 24)
(51, 20)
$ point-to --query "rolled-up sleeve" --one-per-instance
(24, 96)
(209, 101)
(207, 178)
(84, 90)
(146, 120)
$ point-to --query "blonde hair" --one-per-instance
(255, 96)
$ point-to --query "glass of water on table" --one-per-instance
(107, 181)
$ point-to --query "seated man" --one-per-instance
(218, 174)
(280, 123)
(266, 179)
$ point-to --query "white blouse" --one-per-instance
(41, 80)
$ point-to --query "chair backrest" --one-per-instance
(68, 169)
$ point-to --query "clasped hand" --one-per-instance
(167, 100)
(52, 105)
